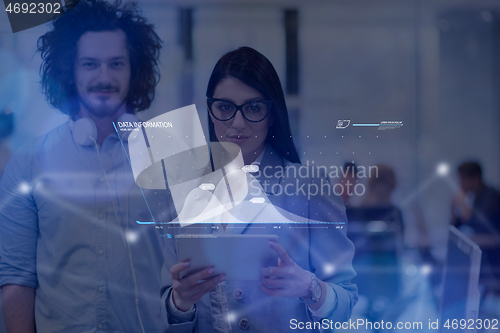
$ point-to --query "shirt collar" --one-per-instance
(258, 160)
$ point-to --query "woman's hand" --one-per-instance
(188, 290)
(286, 280)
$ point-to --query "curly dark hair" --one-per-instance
(58, 49)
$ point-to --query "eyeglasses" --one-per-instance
(253, 111)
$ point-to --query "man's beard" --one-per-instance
(104, 108)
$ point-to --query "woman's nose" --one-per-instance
(239, 121)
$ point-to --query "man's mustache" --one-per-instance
(103, 88)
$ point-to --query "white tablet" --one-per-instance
(239, 257)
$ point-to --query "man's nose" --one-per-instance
(239, 121)
(103, 75)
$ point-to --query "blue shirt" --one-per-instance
(327, 252)
(63, 231)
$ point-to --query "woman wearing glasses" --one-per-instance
(312, 283)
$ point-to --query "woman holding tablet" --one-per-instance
(311, 284)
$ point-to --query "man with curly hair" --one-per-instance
(72, 257)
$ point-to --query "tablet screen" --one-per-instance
(239, 257)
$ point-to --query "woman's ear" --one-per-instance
(271, 119)
(209, 113)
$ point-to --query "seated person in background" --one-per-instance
(376, 228)
(378, 195)
(476, 212)
(348, 181)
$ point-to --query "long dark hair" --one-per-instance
(58, 49)
(255, 70)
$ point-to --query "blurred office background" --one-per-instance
(432, 64)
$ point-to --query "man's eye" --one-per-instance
(89, 64)
(117, 64)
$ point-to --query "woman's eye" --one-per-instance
(255, 107)
(225, 107)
